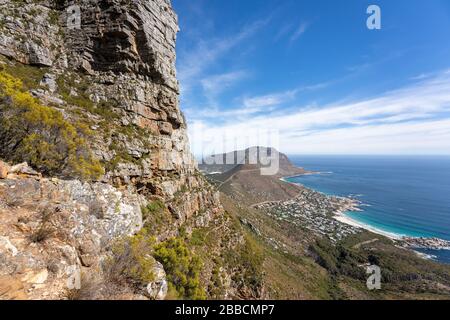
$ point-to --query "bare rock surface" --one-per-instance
(51, 229)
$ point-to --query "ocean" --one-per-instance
(401, 195)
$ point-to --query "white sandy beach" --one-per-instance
(341, 217)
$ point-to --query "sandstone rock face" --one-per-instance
(126, 36)
(11, 289)
(117, 57)
(34, 48)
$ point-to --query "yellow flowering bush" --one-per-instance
(38, 134)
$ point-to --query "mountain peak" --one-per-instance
(256, 157)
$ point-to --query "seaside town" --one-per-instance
(317, 212)
(314, 211)
(425, 243)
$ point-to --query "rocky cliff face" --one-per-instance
(116, 72)
(109, 66)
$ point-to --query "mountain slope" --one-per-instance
(244, 182)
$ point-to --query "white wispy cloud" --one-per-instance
(284, 31)
(413, 119)
(215, 84)
(279, 98)
(301, 29)
(213, 112)
(417, 137)
(269, 100)
(420, 76)
(247, 106)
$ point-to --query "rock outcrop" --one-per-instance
(121, 58)
(51, 229)
(118, 64)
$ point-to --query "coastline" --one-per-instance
(403, 240)
(343, 218)
(306, 173)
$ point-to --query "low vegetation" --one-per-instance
(131, 260)
(45, 229)
(152, 208)
(88, 289)
(182, 268)
(198, 237)
(156, 217)
(247, 262)
(402, 272)
(42, 233)
(40, 135)
(339, 259)
(30, 76)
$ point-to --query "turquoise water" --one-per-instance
(402, 195)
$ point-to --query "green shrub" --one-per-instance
(247, 260)
(156, 217)
(182, 268)
(152, 208)
(252, 259)
(131, 260)
(339, 259)
(216, 287)
(38, 134)
(326, 255)
(198, 237)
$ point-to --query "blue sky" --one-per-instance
(312, 73)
